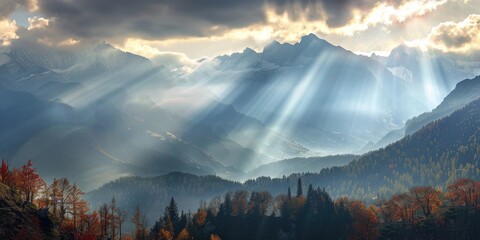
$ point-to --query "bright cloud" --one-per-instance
(7, 33)
(457, 37)
(37, 22)
(383, 13)
(289, 26)
(160, 28)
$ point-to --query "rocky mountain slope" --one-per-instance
(23, 220)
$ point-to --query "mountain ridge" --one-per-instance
(381, 173)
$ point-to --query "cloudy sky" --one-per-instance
(190, 29)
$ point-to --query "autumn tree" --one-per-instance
(61, 190)
(364, 220)
(30, 181)
(239, 203)
(164, 234)
(183, 235)
(44, 200)
(14, 179)
(139, 222)
(200, 227)
(76, 205)
(405, 208)
(214, 237)
(427, 199)
(200, 217)
(386, 210)
(4, 172)
(88, 226)
(464, 192)
(54, 197)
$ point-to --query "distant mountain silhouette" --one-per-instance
(437, 155)
(328, 99)
(91, 109)
(301, 165)
(465, 92)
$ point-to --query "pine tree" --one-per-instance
(228, 205)
(299, 187)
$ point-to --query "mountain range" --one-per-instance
(96, 109)
(438, 154)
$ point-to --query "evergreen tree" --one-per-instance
(299, 187)
(228, 205)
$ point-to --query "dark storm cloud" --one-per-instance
(7, 7)
(153, 19)
(340, 12)
(150, 18)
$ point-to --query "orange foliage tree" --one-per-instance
(464, 192)
(183, 235)
(364, 220)
(29, 181)
(4, 172)
(88, 226)
(427, 199)
(405, 209)
(200, 217)
(164, 234)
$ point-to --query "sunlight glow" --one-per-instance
(295, 103)
(37, 23)
(433, 87)
(8, 31)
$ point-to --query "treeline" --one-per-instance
(436, 155)
(152, 192)
(420, 213)
(310, 213)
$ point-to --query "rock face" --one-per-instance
(23, 221)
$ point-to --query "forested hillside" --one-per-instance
(300, 165)
(437, 155)
(465, 92)
(34, 209)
